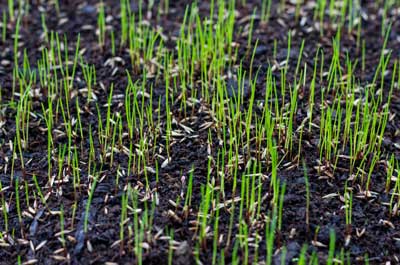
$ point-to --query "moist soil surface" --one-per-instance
(373, 232)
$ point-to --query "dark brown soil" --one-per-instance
(374, 232)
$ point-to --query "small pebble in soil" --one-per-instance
(88, 10)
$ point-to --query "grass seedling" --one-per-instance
(348, 207)
(189, 192)
(297, 11)
(137, 224)
(89, 73)
(331, 252)
(302, 258)
(112, 42)
(265, 10)
(57, 6)
(168, 115)
(398, 75)
(126, 15)
(11, 13)
(393, 209)
(375, 159)
(312, 91)
(16, 42)
(390, 165)
(207, 195)
(124, 216)
(292, 112)
(39, 190)
(166, 6)
(62, 223)
(44, 27)
(384, 17)
(216, 232)
(88, 203)
(101, 25)
(197, 86)
(18, 202)
(4, 208)
(170, 248)
(22, 120)
(307, 194)
(363, 48)
(270, 236)
(319, 11)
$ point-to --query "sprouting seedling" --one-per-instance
(292, 112)
(348, 206)
(124, 14)
(371, 169)
(62, 228)
(366, 259)
(189, 191)
(265, 10)
(113, 139)
(4, 208)
(88, 203)
(11, 14)
(282, 6)
(75, 62)
(352, 13)
(394, 209)
(280, 208)
(398, 75)
(299, 58)
(123, 217)
(390, 166)
(192, 75)
(39, 190)
(89, 74)
(319, 11)
(301, 260)
(44, 27)
(107, 129)
(314, 258)
(207, 195)
(216, 232)
(57, 6)
(384, 17)
(297, 11)
(101, 25)
(170, 248)
(307, 194)
(332, 242)
(18, 202)
(166, 6)
(138, 223)
(270, 228)
(112, 42)
(22, 119)
(16, 42)
(363, 49)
